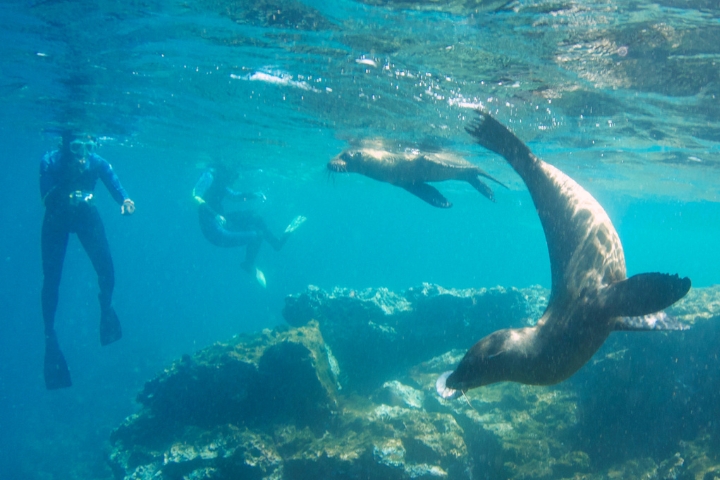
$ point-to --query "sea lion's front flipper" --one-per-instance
(644, 294)
(654, 321)
(428, 193)
(482, 188)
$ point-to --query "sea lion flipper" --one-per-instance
(428, 193)
(481, 187)
(644, 294)
(496, 137)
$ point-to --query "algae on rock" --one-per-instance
(348, 392)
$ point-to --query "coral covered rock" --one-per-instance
(377, 334)
(348, 392)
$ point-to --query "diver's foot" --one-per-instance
(260, 277)
(56, 372)
(110, 330)
(295, 224)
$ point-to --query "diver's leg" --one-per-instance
(54, 241)
(224, 237)
(275, 242)
(91, 234)
(251, 253)
(278, 243)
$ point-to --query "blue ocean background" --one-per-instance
(170, 87)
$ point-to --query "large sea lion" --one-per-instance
(411, 169)
(590, 294)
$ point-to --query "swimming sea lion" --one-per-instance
(590, 290)
(411, 170)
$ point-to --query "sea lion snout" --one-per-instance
(443, 390)
(337, 164)
(456, 380)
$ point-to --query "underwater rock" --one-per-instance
(280, 375)
(223, 452)
(377, 334)
(383, 442)
(699, 304)
(285, 405)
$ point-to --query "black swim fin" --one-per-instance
(644, 294)
(57, 374)
(428, 193)
(110, 330)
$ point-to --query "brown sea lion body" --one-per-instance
(412, 170)
(590, 297)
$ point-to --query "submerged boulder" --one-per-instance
(377, 334)
(254, 381)
(350, 394)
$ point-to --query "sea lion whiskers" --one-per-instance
(330, 176)
(462, 392)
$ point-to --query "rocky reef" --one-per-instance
(347, 391)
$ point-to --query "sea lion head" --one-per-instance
(347, 161)
(495, 358)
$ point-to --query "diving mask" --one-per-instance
(82, 148)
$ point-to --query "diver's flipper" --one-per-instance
(482, 188)
(110, 330)
(654, 321)
(260, 277)
(644, 294)
(428, 193)
(295, 224)
(57, 374)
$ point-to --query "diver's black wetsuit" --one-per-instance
(67, 194)
(233, 229)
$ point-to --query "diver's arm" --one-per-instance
(112, 183)
(48, 181)
(201, 187)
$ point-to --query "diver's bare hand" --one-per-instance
(128, 207)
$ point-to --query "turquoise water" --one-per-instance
(623, 98)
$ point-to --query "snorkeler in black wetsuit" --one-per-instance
(67, 180)
(237, 228)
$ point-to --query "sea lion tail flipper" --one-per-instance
(428, 193)
(494, 136)
(482, 188)
(490, 177)
(644, 294)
